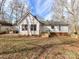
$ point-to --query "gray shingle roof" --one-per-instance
(5, 23)
(54, 23)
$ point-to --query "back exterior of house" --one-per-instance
(29, 25)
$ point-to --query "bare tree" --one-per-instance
(2, 4)
(14, 7)
(58, 10)
(72, 8)
(18, 9)
(67, 9)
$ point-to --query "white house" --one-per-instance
(30, 25)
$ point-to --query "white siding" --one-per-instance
(46, 28)
(5, 28)
(64, 28)
(55, 29)
(29, 20)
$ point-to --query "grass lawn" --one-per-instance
(38, 48)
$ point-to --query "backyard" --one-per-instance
(22, 47)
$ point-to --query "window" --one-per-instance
(24, 27)
(52, 27)
(33, 27)
(59, 28)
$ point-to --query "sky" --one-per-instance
(41, 8)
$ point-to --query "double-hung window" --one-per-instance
(59, 27)
(33, 27)
(52, 27)
(24, 27)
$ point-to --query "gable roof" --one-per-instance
(20, 20)
(28, 13)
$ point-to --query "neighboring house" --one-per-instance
(5, 26)
(30, 25)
